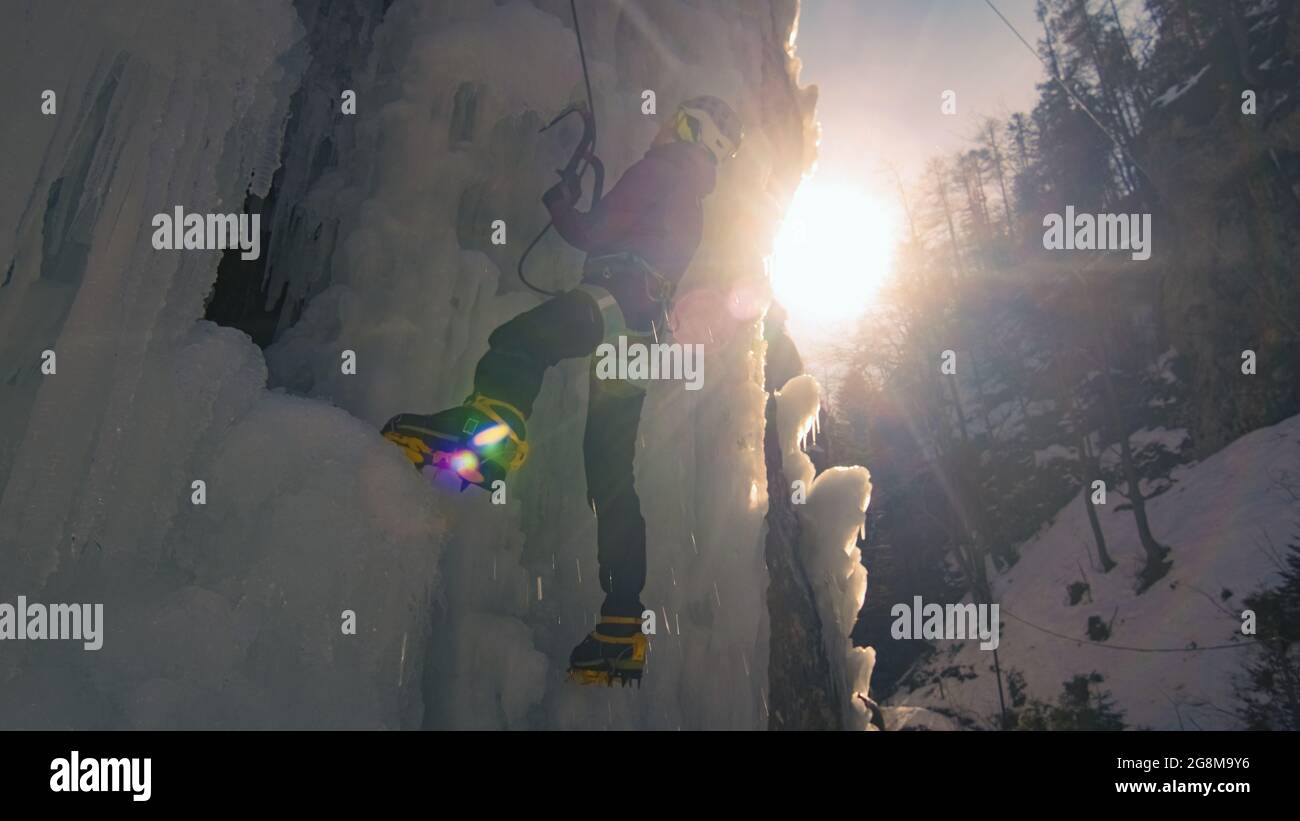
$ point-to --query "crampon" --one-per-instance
(614, 651)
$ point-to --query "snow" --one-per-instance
(1219, 520)
(1179, 89)
(228, 614)
(1147, 439)
(916, 718)
(1054, 453)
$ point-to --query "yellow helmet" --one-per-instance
(710, 123)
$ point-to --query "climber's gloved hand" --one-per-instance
(564, 193)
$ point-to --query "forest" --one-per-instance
(1000, 377)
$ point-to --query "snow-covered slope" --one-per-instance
(1224, 519)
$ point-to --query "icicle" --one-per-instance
(539, 588)
(666, 627)
(578, 562)
(677, 622)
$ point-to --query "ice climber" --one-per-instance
(639, 240)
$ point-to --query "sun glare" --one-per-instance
(833, 252)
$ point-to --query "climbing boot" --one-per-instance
(479, 442)
(614, 651)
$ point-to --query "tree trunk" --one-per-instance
(1156, 563)
(942, 189)
(1089, 476)
(1002, 182)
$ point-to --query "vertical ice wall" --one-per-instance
(228, 613)
(447, 143)
(221, 614)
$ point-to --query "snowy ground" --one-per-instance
(1219, 519)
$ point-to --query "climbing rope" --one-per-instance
(589, 143)
(586, 78)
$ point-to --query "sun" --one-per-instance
(833, 252)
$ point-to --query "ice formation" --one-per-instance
(834, 520)
(228, 613)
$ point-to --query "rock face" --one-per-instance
(804, 695)
(820, 678)
(227, 613)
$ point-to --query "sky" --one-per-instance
(881, 67)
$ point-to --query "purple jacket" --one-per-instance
(655, 210)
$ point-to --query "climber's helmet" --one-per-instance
(710, 123)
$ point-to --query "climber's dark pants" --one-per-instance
(521, 350)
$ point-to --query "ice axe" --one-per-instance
(584, 155)
(583, 152)
(582, 158)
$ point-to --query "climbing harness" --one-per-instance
(606, 268)
(583, 157)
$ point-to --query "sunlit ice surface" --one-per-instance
(832, 254)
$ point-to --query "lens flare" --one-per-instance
(464, 462)
(490, 436)
(833, 252)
